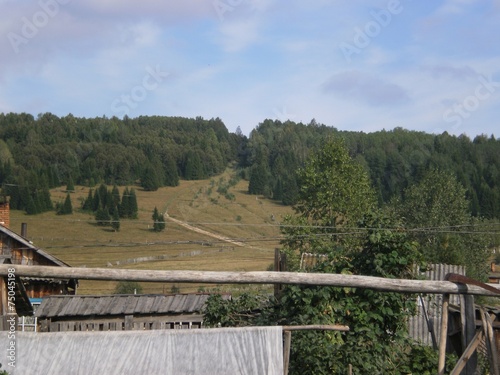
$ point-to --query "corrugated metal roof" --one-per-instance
(125, 304)
(431, 304)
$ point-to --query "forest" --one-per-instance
(37, 154)
(394, 160)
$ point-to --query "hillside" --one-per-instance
(251, 221)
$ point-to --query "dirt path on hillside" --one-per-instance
(207, 233)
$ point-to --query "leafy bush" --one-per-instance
(128, 287)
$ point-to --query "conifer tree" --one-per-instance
(96, 201)
(66, 208)
(171, 174)
(150, 180)
(133, 207)
(124, 207)
(31, 208)
(45, 200)
(115, 223)
(103, 192)
(102, 217)
(71, 186)
(116, 195)
(88, 202)
(158, 221)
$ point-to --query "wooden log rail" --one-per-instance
(260, 277)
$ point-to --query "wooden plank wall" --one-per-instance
(125, 323)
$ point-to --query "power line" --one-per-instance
(278, 224)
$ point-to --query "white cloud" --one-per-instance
(140, 34)
(454, 7)
(236, 35)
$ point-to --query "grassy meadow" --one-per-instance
(211, 205)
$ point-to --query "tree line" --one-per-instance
(394, 161)
(37, 154)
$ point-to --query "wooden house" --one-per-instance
(16, 249)
(121, 312)
(494, 275)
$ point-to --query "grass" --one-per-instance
(76, 240)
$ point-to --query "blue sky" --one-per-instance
(430, 66)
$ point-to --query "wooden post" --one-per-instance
(287, 336)
(490, 341)
(468, 322)
(492, 345)
(129, 322)
(444, 334)
(277, 268)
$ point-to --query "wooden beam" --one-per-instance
(287, 338)
(468, 322)
(256, 277)
(444, 334)
(489, 341)
(316, 327)
(468, 353)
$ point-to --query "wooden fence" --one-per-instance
(256, 277)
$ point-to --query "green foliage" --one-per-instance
(237, 312)
(334, 193)
(102, 217)
(150, 181)
(171, 174)
(258, 180)
(394, 159)
(128, 287)
(194, 168)
(334, 189)
(175, 289)
(3, 372)
(111, 150)
(110, 201)
(70, 187)
(65, 208)
(158, 221)
(377, 341)
(438, 211)
(132, 204)
(115, 222)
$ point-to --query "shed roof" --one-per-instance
(28, 244)
(122, 304)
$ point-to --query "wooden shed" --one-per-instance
(122, 312)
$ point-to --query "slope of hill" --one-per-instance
(209, 230)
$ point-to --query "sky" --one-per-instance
(422, 65)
